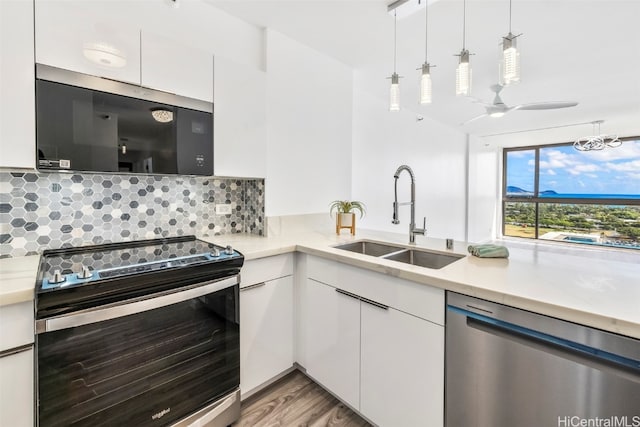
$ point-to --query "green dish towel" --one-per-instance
(489, 251)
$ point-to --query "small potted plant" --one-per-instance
(345, 215)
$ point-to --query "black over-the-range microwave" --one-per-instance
(88, 123)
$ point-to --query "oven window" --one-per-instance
(149, 368)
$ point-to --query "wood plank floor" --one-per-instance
(295, 400)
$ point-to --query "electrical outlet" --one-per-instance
(223, 209)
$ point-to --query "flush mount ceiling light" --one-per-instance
(104, 54)
(510, 63)
(425, 79)
(597, 141)
(394, 91)
(162, 115)
(463, 71)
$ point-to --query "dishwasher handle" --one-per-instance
(576, 352)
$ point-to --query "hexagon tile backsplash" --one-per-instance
(52, 210)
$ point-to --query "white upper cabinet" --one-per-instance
(87, 37)
(102, 39)
(17, 109)
(240, 130)
(174, 67)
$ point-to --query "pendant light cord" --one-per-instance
(464, 23)
(395, 35)
(426, 29)
(510, 16)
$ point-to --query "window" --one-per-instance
(554, 192)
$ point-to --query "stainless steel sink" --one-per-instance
(370, 248)
(419, 257)
(426, 259)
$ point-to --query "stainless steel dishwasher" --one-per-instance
(507, 367)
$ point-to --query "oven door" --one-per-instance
(148, 362)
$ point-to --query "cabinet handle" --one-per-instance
(375, 304)
(358, 297)
(349, 294)
(257, 285)
(16, 350)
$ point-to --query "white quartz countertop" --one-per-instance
(18, 279)
(597, 288)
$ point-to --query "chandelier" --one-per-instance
(597, 141)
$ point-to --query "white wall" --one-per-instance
(382, 141)
(484, 189)
(309, 116)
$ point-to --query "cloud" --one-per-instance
(632, 166)
(634, 175)
(521, 153)
(551, 172)
(628, 150)
(588, 167)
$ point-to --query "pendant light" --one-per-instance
(425, 79)
(510, 62)
(597, 141)
(463, 71)
(394, 92)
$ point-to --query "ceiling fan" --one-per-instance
(498, 108)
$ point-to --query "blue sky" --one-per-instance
(568, 171)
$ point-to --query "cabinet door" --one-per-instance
(16, 390)
(174, 67)
(332, 340)
(266, 331)
(17, 108)
(240, 131)
(69, 31)
(402, 369)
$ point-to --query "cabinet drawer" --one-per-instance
(417, 299)
(17, 325)
(265, 269)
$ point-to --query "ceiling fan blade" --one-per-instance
(478, 101)
(473, 119)
(545, 105)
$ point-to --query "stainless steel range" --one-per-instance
(139, 333)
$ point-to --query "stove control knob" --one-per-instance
(228, 250)
(58, 277)
(85, 273)
(215, 253)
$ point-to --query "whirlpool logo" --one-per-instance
(160, 414)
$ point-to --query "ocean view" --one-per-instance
(548, 195)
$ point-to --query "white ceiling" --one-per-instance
(572, 50)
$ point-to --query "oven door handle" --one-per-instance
(100, 314)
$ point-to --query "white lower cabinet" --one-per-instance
(266, 320)
(379, 352)
(401, 368)
(16, 389)
(332, 340)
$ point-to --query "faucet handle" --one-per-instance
(423, 231)
(395, 214)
